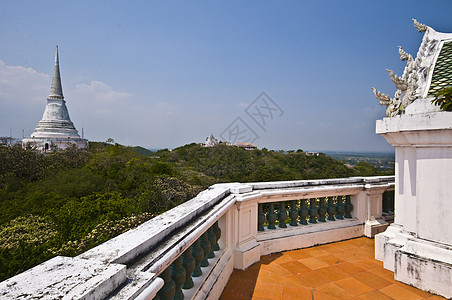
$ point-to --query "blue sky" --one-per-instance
(167, 73)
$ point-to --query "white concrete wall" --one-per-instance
(423, 203)
(434, 194)
(303, 236)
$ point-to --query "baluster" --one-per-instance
(188, 261)
(391, 201)
(260, 217)
(322, 210)
(385, 202)
(293, 213)
(348, 207)
(217, 231)
(313, 211)
(282, 215)
(271, 216)
(388, 202)
(340, 208)
(213, 240)
(303, 212)
(205, 245)
(198, 255)
(178, 275)
(169, 287)
(331, 209)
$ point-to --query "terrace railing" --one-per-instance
(189, 252)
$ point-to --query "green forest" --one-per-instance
(65, 202)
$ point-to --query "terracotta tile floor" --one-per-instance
(342, 270)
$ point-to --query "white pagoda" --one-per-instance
(55, 130)
(211, 141)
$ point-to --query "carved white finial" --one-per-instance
(392, 105)
(382, 98)
(400, 83)
(403, 55)
(419, 26)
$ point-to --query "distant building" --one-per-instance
(246, 146)
(211, 141)
(312, 153)
(55, 130)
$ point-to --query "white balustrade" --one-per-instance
(144, 262)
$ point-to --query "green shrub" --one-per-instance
(443, 98)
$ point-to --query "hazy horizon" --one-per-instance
(153, 149)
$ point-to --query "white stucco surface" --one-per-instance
(418, 246)
(65, 278)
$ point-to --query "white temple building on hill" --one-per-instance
(211, 141)
(55, 130)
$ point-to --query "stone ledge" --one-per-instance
(65, 278)
(426, 265)
(291, 231)
(306, 192)
(162, 255)
(138, 284)
(356, 181)
(414, 122)
(133, 243)
(375, 226)
(291, 238)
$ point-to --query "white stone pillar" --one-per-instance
(360, 203)
(418, 246)
(374, 223)
(244, 226)
(247, 250)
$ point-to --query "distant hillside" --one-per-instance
(383, 161)
(229, 163)
(66, 202)
(142, 151)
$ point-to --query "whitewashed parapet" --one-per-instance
(321, 182)
(128, 249)
(131, 244)
(131, 266)
(293, 190)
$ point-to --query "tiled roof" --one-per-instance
(245, 145)
(442, 74)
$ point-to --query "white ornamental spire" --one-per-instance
(55, 120)
(56, 90)
(55, 130)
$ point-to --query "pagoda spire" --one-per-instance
(55, 130)
(56, 90)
